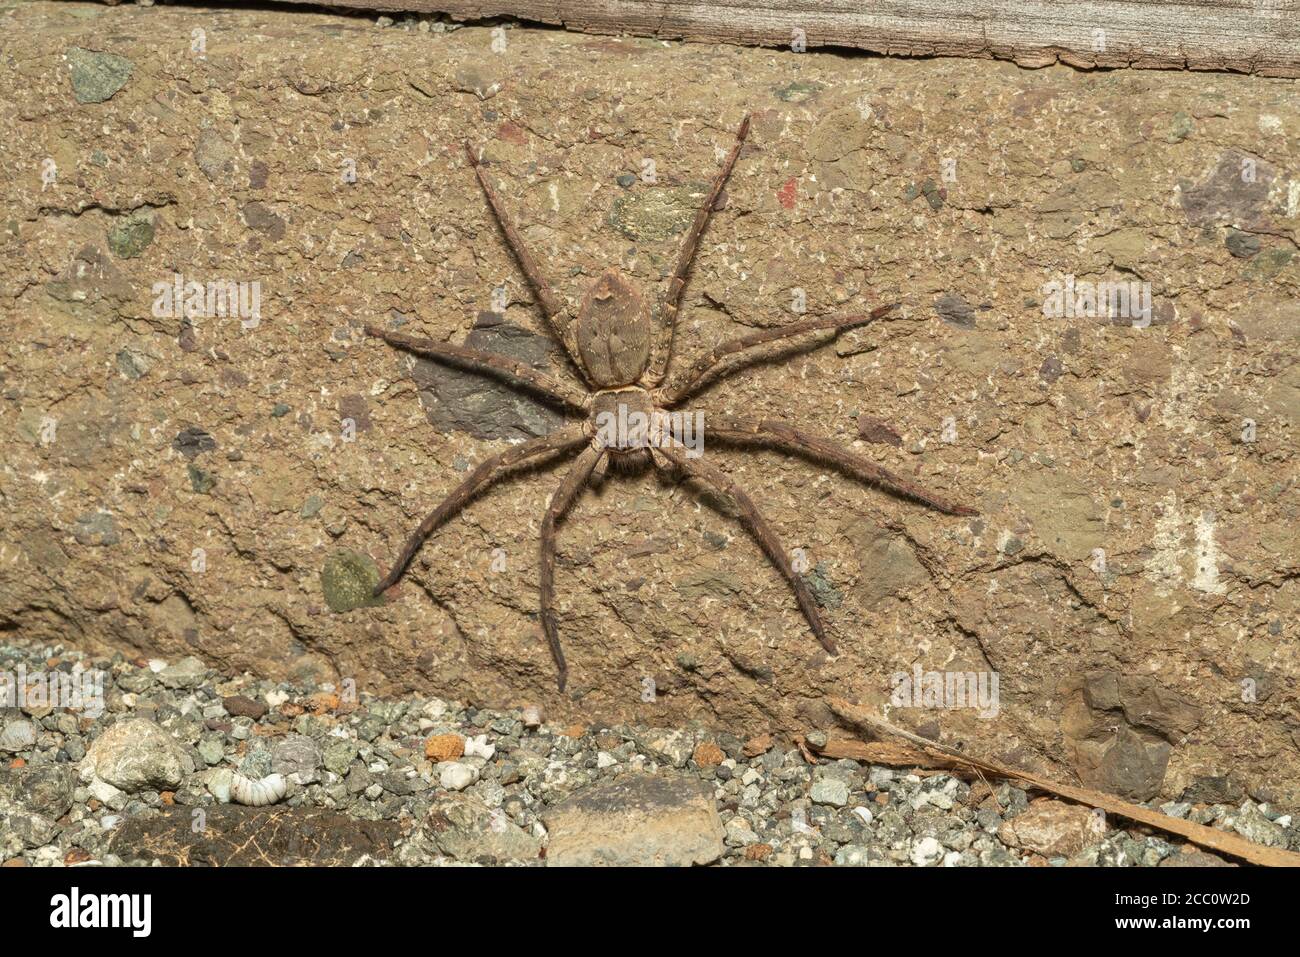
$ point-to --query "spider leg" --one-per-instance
(669, 304)
(752, 519)
(562, 440)
(820, 448)
(706, 364)
(560, 502)
(552, 305)
(490, 362)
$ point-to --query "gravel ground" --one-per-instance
(415, 780)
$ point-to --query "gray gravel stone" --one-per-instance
(295, 754)
(212, 748)
(1258, 829)
(17, 735)
(832, 791)
(467, 830)
(186, 673)
(135, 754)
(46, 790)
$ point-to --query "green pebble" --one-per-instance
(131, 236)
(824, 591)
(348, 580)
(201, 481)
(97, 76)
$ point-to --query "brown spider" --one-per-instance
(621, 346)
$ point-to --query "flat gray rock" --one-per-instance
(136, 754)
(482, 405)
(636, 821)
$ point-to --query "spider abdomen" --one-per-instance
(613, 331)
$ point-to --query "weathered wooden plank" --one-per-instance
(1249, 36)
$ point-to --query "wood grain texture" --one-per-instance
(1248, 36)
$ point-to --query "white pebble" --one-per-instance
(457, 777)
(48, 856)
(102, 791)
(926, 851)
(864, 814)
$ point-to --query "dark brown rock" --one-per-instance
(261, 218)
(873, 430)
(1131, 767)
(1208, 789)
(1148, 704)
(241, 707)
(956, 310)
(1234, 192)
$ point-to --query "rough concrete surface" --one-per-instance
(227, 486)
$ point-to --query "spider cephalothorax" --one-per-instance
(621, 345)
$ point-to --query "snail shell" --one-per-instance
(258, 793)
